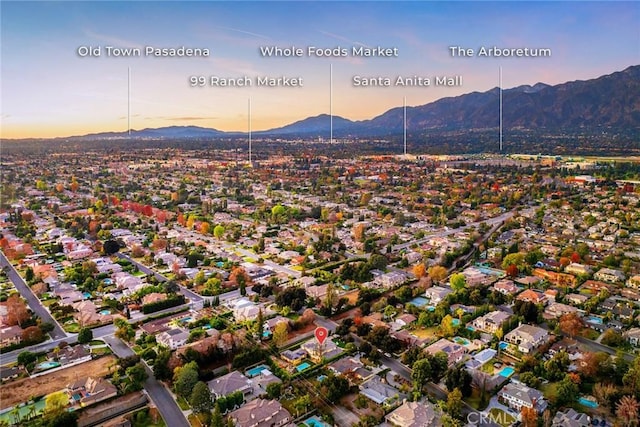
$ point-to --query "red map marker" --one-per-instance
(321, 334)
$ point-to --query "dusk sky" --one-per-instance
(48, 90)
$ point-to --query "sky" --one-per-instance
(48, 90)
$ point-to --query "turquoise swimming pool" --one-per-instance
(253, 372)
(506, 372)
(595, 319)
(315, 422)
(419, 302)
(588, 403)
(304, 365)
(503, 345)
(47, 365)
(461, 341)
(105, 312)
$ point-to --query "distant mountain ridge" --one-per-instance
(611, 100)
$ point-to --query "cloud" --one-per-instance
(344, 39)
(116, 41)
(249, 33)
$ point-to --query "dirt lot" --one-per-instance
(23, 389)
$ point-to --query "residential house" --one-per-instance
(414, 414)
(71, 354)
(527, 337)
(391, 279)
(558, 279)
(7, 374)
(317, 352)
(578, 269)
(244, 309)
(571, 418)
(576, 299)
(10, 335)
(436, 294)
(173, 338)
(261, 413)
(506, 287)
(90, 390)
(378, 391)
(532, 296)
(230, 383)
(609, 275)
(633, 336)
(490, 322)
(556, 309)
(517, 396)
(455, 352)
(153, 297)
(294, 357)
(406, 319)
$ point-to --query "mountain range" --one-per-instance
(609, 101)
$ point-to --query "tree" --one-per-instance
(421, 373)
(446, 326)
(136, 374)
(512, 270)
(216, 419)
(459, 378)
(161, 365)
(437, 273)
(63, 419)
(567, 392)
(627, 411)
(110, 247)
(334, 387)
(280, 333)
(612, 338)
(185, 379)
(56, 402)
(85, 336)
(457, 281)
(201, 399)
(218, 231)
(529, 417)
(32, 334)
(571, 324)
(603, 393)
(124, 330)
(260, 324)
(274, 390)
(17, 311)
(516, 259)
(454, 403)
(419, 270)
(26, 357)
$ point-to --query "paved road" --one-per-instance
(491, 222)
(33, 301)
(168, 407)
(195, 298)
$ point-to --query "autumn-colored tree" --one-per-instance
(137, 251)
(627, 411)
(564, 261)
(575, 257)
(159, 244)
(593, 363)
(59, 187)
(239, 276)
(437, 273)
(529, 417)
(56, 402)
(204, 227)
(181, 219)
(191, 221)
(571, 324)
(512, 270)
(308, 317)
(17, 312)
(358, 231)
(419, 270)
(32, 334)
(603, 392)
(74, 184)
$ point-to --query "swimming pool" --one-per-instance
(321, 378)
(506, 372)
(588, 403)
(186, 319)
(595, 319)
(461, 341)
(471, 328)
(455, 322)
(105, 312)
(304, 365)
(108, 282)
(315, 422)
(253, 372)
(86, 295)
(419, 302)
(503, 345)
(47, 365)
